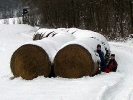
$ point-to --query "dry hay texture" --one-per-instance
(30, 61)
(74, 61)
(37, 36)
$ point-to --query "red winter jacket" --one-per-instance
(112, 66)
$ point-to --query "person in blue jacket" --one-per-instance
(102, 57)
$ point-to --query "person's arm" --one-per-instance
(115, 63)
(102, 53)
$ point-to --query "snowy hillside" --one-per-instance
(105, 86)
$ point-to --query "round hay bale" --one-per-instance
(98, 37)
(30, 61)
(74, 61)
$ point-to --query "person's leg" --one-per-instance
(102, 67)
(114, 69)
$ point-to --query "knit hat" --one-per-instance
(113, 55)
(98, 45)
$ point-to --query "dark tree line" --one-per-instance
(10, 8)
(112, 18)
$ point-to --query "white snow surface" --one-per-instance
(89, 33)
(52, 44)
(80, 33)
(15, 20)
(105, 86)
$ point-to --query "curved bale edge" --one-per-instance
(30, 61)
(97, 36)
(74, 61)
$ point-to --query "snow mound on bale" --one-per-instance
(89, 44)
(52, 44)
(80, 33)
(88, 33)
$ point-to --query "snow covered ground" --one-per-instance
(105, 86)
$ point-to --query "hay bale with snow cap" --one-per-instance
(36, 57)
(44, 33)
(30, 61)
(91, 34)
(76, 59)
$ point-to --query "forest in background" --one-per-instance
(112, 18)
(10, 8)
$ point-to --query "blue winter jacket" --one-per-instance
(103, 63)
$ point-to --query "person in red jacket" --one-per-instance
(112, 65)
